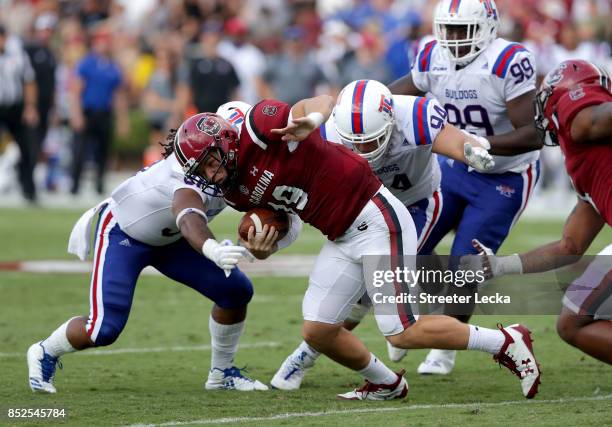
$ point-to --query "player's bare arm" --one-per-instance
(524, 137)
(581, 228)
(306, 116)
(579, 231)
(464, 147)
(593, 124)
(405, 86)
(193, 225)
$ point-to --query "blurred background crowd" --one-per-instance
(92, 86)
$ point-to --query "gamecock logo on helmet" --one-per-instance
(209, 126)
(269, 110)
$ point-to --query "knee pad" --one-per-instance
(358, 312)
(239, 291)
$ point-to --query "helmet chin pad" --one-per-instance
(380, 141)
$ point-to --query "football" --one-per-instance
(259, 217)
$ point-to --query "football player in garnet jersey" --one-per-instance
(574, 110)
(280, 163)
(400, 135)
(159, 217)
(486, 85)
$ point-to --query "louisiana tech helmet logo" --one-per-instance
(209, 125)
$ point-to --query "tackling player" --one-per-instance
(397, 138)
(486, 84)
(159, 217)
(574, 110)
(279, 162)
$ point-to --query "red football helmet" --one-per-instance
(569, 76)
(196, 138)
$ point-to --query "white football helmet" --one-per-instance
(234, 112)
(363, 117)
(481, 19)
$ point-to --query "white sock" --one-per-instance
(57, 344)
(224, 341)
(308, 354)
(377, 372)
(484, 339)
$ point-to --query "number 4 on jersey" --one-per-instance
(401, 182)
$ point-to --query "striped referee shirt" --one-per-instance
(15, 70)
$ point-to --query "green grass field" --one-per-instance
(154, 373)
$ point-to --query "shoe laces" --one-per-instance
(368, 387)
(48, 364)
(235, 372)
(510, 361)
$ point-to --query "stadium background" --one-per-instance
(154, 373)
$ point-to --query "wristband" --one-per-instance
(512, 264)
(186, 211)
(208, 248)
(317, 118)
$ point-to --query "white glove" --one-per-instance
(478, 157)
(225, 254)
(491, 265)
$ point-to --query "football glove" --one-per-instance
(491, 265)
(225, 254)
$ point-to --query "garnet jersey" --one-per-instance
(409, 169)
(327, 185)
(475, 96)
(142, 204)
(588, 163)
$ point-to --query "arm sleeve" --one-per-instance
(263, 117)
(295, 227)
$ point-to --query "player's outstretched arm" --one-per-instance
(593, 124)
(189, 211)
(306, 116)
(451, 142)
(579, 231)
(524, 137)
(405, 86)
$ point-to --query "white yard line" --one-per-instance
(279, 266)
(108, 352)
(292, 415)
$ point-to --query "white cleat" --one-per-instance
(371, 391)
(232, 379)
(438, 362)
(41, 369)
(291, 373)
(517, 355)
(396, 354)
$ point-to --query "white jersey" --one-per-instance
(409, 169)
(142, 204)
(475, 96)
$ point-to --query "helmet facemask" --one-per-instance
(477, 24)
(192, 165)
(544, 128)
